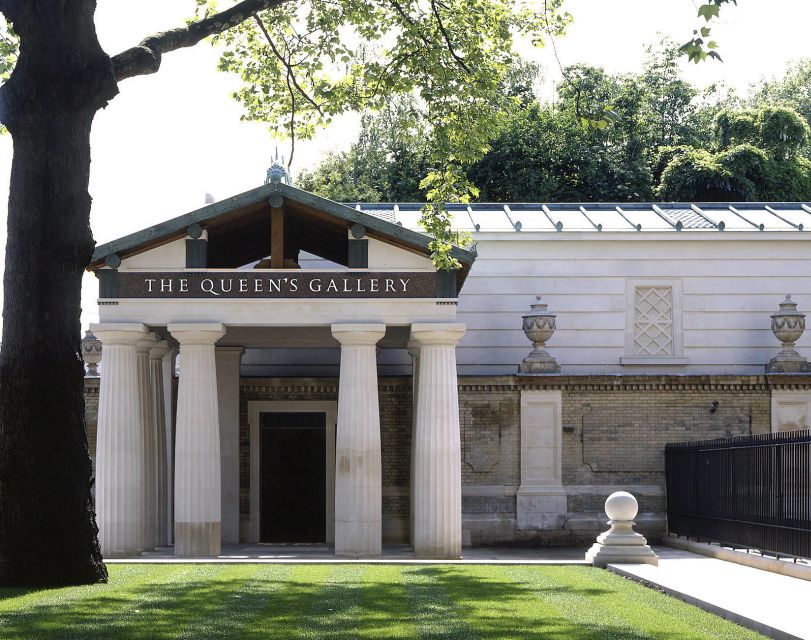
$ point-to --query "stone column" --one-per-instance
(414, 352)
(197, 442)
(119, 443)
(437, 481)
(149, 492)
(358, 477)
(158, 406)
(168, 365)
(228, 359)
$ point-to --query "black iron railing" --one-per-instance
(748, 491)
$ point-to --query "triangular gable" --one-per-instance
(238, 229)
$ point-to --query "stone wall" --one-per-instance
(614, 429)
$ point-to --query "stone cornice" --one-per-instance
(636, 382)
(468, 384)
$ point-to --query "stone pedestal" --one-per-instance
(147, 406)
(158, 405)
(437, 468)
(621, 544)
(358, 477)
(197, 442)
(119, 443)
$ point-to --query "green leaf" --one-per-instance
(709, 11)
(705, 31)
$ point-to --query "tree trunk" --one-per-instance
(48, 534)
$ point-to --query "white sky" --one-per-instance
(169, 138)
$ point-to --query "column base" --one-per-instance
(436, 555)
(197, 539)
(358, 539)
(444, 544)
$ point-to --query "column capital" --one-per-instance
(358, 334)
(113, 333)
(436, 333)
(146, 342)
(193, 333)
(160, 349)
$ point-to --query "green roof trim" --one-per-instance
(177, 227)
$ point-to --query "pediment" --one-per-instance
(240, 230)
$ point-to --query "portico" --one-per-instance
(205, 287)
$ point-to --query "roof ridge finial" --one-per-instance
(277, 173)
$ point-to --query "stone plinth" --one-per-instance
(197, 442)
(437, 472)
(621, 544)
(358, 474)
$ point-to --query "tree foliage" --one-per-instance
(757, 156)
(669, 141)
(386, 164)
(301, 65)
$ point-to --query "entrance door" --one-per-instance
(293, 477)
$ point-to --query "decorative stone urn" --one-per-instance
(91, 353)
(539, 325)
(788, 326)
(621, 544)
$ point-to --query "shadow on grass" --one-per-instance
(264, 606)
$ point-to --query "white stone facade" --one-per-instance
(648, 322)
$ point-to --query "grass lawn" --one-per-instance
(253, 601)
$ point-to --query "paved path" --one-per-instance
(395, 554)
(775, 605)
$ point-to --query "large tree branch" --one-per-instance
(146, 57)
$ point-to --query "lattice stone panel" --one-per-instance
(653, 321)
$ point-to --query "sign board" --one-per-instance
(276, 284)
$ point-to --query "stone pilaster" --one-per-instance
(119, 442)
(437, 478)
(358, 477)
(197, 442)
(541, 502)
(146, 400)
(228, 360)
(158, 406)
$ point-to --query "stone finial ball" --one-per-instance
(621, 505)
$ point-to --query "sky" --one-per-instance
(168, 139)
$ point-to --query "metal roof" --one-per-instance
(606, 217)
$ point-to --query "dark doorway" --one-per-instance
(293, 486)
